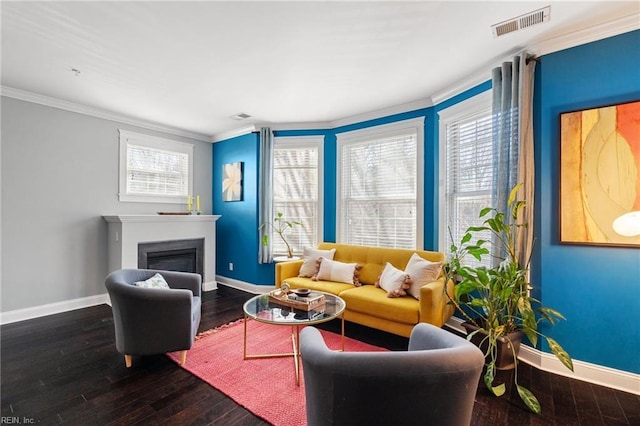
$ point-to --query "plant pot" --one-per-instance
(504, 356)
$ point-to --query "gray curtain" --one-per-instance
(265, 193)
(513, 141)
(526, 163)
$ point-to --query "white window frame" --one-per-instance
(379, 132)
(466, 109)
(316, 142)
(138, 139)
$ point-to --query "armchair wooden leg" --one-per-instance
(127, 360)
(183, 357)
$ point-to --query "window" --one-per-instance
(380, 177)
(154, 170)
(297, 189)
(466, 173)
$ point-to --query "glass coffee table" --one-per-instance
(261, 308)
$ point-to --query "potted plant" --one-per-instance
(496, 301)
(280, 226)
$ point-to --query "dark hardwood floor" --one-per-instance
(64, 369)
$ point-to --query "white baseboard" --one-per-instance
(68, 305)
(585, 371)
(210, 286)
(244, 286)
(52, 308)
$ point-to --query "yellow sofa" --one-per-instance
(369, 305)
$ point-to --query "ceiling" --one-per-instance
(190, 66)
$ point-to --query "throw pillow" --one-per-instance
(332, 270)
(422, 272)
(310, 266)
(394, 281)
(156, 281)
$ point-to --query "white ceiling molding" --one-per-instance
(385, 112)
(313, 125)
(588, 35)
(566, 41)
(23, 95)
(327, 125)
(235, 133)
(482, 74)
(607, 29)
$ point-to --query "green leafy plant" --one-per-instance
(497, 300)
(280, 226)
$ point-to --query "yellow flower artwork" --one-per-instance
(232, 182)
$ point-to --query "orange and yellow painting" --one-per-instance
(599, 173)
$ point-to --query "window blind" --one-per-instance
(296, 194)
(378, 195)
(156, 172)
(469, 172)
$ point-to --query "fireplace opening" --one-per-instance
(175, 255)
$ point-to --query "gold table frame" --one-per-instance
(295, 333)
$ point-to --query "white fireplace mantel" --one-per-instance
(125, 232)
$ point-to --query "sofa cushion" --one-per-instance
(422, 272)
(394, 281)
(311, 265)
(326, 286)
(331, 270)
(373, 301)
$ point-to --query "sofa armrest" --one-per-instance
(286, 270)
(434, 304)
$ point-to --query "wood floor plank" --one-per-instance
(64, 369)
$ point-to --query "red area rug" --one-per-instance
(266, 387)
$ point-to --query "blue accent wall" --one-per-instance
(237, 239)
(596, 288)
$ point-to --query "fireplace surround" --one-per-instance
(127, 232)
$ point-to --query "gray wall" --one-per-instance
(59, 176)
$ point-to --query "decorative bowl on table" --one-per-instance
(302, 292)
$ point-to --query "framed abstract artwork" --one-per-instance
(232, 182)
(600, 176)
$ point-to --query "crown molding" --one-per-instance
(385, 112)
(317, 125)
(473, 80)
(565, 41)
(218, 137)
(35, 98)
(544, 47)
(588, 35)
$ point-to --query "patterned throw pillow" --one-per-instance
(156, 281)
(422, 272)
(394, 281)
(339, 272)
(310, 266)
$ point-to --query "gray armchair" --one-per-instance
(154, 321)
(433, 383)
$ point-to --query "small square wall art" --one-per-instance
(232, 182)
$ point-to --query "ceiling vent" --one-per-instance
(240, 116)
(521, 22)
